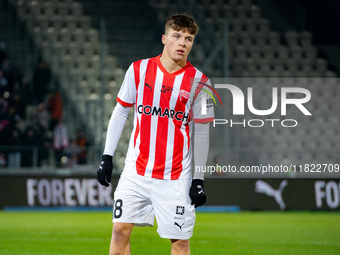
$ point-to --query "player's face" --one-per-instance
(178, 44)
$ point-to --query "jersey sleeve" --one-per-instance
(203, 107)
(127, 92)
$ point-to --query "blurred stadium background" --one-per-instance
(54, 113)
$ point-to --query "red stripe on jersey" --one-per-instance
(123, 103)
(177, 166)
(136, 69)
(136, 134)
(145, 123)
(162, 128)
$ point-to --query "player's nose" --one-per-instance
(182, 42)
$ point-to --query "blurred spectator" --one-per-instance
(26, 92)
(60, 142)
(42, 116)
(14, 153)
(15, 79)
(44, 154)
(218, 166)
(3, 83)
(3, 55)
(42, 147)
(81, 142)
(27, 151)
(41, 80)
(8, 74)
(55, 106)
(19, 105)
(72, 153)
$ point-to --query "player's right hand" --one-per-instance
(104, 171)
(197, 193)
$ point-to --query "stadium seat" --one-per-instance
(321, 66)
(35, 8)
(305, 39)
(71, 23)
(260, 39)
(62, 9)
(226, 12)
(306, 66)
(291, 38)
(296, 53)
(250, 26)
(246, 3)
(278, 66)
(67, 37)
(309, 52)
(264, 65)
(282, 52)
(48, 8)
(241, 12)
(264, 25)
(255, 13)
(93, 35)
(274, 39)
(246, 39)
(85, 22)
(57, 23)
(255, 53)
(268, 52)
(42, 22)
(237, 26)
(77, 9)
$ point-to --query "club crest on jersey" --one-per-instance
(170, 113)
(183, 94)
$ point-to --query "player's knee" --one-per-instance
(181, 245)
(121, 231)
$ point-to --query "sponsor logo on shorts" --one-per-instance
(179, 218)
(180, 210)
(180, 226)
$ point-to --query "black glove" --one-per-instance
(197, 193)
(104, 171)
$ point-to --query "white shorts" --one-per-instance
(140, 199)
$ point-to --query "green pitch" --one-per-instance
(262, 233)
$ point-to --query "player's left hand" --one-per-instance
(104, 171)
(197, 193)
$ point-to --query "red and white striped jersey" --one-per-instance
(165, 105)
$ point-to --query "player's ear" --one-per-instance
(163, 39)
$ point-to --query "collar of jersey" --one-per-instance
(159, 64)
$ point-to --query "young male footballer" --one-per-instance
(156, 180)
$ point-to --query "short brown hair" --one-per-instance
(181, 22)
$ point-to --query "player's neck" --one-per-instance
(170, 65)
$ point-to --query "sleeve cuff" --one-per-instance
(123, 103)
(203, 120)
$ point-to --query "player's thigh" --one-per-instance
(132, 202)
(173, 210)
